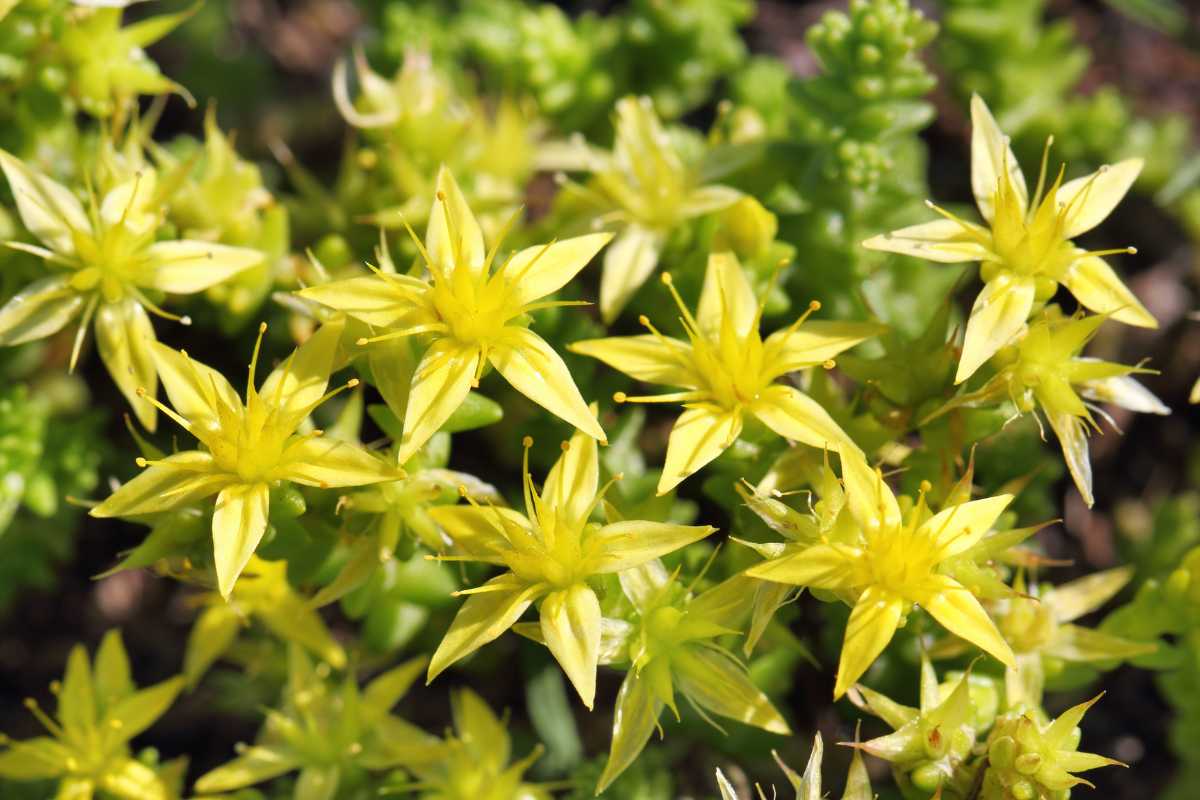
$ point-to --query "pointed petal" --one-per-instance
(386, 690)
(41, 309)
(727, 295)
(870, 499)
(726, 788)
(255, 765)
(953, 605)
(125, 340)
(482, 618)
(814, 343)
(172, 482)
(137, 712)
(316, 783)
(628, 543)
(475, 722)
(544, 269)
(477, 531)
(113, 676)
(454, 236)
(628, 262)
(1124, 391)
(997, 317)
(47, 208)
(573, 480)
(212, 634)
(1082, 762)
(297, 384)
(381, 302)
(34, 759)
(821, 566)
(636, 717)
(1093, 197)
(321, 461)
(699, 435)
(77, 697)
(239, 522)
(198, 392)
(1060, 730)
(1075, 643)
(871, 626)
(188, 266)
(1072, 600)
(644, 583)
(439, 386)
(707, 199)
(957, 529)
(570, 621)
(1072, 436)
(647, 358)
(858, 782)
(536, 371)
(794, 415)
(715, 681)
(991, 158)
(1096, 285)
(943, 240)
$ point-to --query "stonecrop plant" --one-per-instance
(761, 463)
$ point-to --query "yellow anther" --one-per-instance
(619, 397)
(527, 441)
(829, 363)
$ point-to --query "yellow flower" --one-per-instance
(727, 370)
(105, 261)
(247, 448)
(1026, 249)
(888, 565)
(473, 316)
(551, 552)
(650, 190)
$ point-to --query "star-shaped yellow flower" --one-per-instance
(727, 370)
(551, 552)
(473, 315)
(246, 448)
(888, 565)
(1026, 249)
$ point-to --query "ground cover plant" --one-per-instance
(497, 399)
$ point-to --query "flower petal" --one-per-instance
(47, 208)
(454, 236)
(133, 714)
(187, 266)
(255, 765)
(700, 434)
(1124, 391)
(1093, 197)
(820, 566)
(794, 415)
(375, 300)
(482, 618)
(572, 482)
(727, 296)
(296, 385)
(871, 626)
(715, 681)
(1072, 436)
(957, 529)
(41, 309)
(991, 158)
(212, 634)
(953, 605)
(814, 343)
(125, 340)
(239, 522)
(439, 386)
(477, 531)
(324, 462)
(570, 621)
(198, 392)
(544, 269)
(943, 240)
(997, 317)
(1072, 600)
(707, 199)
(34, 759)
(1096, 285)
(870, 499)
(628, 262)
(648, 358)
(636, 717)
(174, 481)
(536, 371)
(629, 543)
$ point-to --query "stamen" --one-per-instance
(419, 244)
(153, 308)
(962, 223)
(350, 384)
(813, 306)
(41, 716)
(262, 329)
(672, 397)
(170, 412)
(829, 363)
(618, 477)
(689, 320)
(555, 304)
(677, 350)
(774, 280)
(527, 481)
(1041, 182)
(431, 327)
(451, 228)
(501, 236)
(712, 557)
(1130, 251)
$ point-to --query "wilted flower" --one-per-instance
(329, 732)
(104, 260)
(99, 712)
(1026, 251)
(247, 448)
(884, 565)
(473, 316)
(727, 370)
(552, 552)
